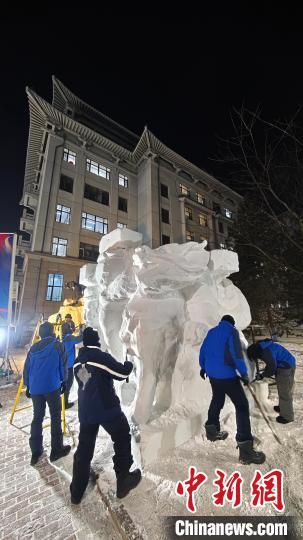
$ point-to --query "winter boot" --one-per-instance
(248, 455)
(126, 482)
(277, 408)
(54, 455)
(73, 499)
(213, 434)
(35, 458)
(282, 420)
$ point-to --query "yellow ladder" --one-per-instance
(21, 389)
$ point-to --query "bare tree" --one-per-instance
(265, 160)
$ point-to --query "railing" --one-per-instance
(193, 197)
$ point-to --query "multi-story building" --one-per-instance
(86, 175)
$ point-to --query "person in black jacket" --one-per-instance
(98, 405)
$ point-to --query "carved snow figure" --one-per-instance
(158, 306)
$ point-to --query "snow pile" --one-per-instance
(156, 306)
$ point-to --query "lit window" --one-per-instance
(184, 190)
(54, 287)
(228, 213)
(188, 213)
(59, 247)
(123, 180)
(200, 198)
(190, 237)
(121, 225)
(164, 215)
(165, 239)
(96, 168)
(202, 220)
(94, 223)
(69, 156)
(164, 191)
(63, 214)
(122, 204)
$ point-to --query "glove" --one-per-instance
(259, 376)
(62, 388)
(203, 374)
(245, 380)
(27, 393)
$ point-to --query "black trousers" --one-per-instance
(234, 390)
(119, 431)
(69, 384)
(53, 399)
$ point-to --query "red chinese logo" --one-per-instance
(229, 490)
(268, 489)
(190, 486)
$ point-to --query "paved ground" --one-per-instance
(34, 501)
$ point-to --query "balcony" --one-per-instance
(192, 197)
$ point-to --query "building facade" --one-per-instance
(86, 175)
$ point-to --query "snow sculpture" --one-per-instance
(157, 305)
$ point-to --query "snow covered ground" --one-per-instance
(155, 497)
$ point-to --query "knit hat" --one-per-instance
(229, 319)
(46, 330)
(66, 329)
(91, 337)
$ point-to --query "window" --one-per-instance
(123, 180)
(63, 214)
(184, 190)
(122, 204)
(95, 194)
(228, 213)
(121, 225)
(202, 220)
(188, 213)
(59, 247)
(200, 198)
(66, 183)
(221, 228)
(54, 287)
(94, 223)
(96, 168)
(164, 215)
(165, 239)
(69, 156)
(89, 252)
(217, 208)
(190, 237)
(164, 191)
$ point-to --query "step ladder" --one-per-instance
(22, 389)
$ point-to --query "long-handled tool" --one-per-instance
(257, 402)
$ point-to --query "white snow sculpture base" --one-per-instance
(157, 306)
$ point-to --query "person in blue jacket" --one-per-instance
(282, 364)
(45, 375)
(69, 341)
(99, 405)
(221, 359)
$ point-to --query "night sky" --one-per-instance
(180, 77)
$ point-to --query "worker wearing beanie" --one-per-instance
(98, 405)
(45, 375)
